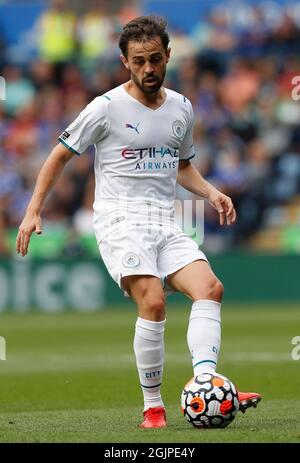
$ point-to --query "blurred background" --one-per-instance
(237, 61)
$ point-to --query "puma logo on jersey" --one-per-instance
(129, 126)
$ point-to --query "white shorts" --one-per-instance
(158, 250)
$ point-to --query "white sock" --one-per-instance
(204, 335)
(149, 353)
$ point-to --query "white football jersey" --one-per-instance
(137, 148)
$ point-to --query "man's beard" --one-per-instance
(154, 88)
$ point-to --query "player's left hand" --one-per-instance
(223, 204)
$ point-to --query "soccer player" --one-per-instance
(142, 133)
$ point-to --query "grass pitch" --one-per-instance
(72, 377)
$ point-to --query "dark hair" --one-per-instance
(144, 28)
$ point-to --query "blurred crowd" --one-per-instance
(237, 68)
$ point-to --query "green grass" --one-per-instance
(72, 378)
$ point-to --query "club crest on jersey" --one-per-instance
(130, 126)
(178, 129)
(131, 260)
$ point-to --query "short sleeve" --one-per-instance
(88, 128)
(187, 150)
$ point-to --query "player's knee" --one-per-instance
(215, 290)
(154, 306)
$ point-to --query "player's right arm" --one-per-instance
(47, 177)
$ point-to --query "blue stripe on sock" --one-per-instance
(204, 361)
(149, 387)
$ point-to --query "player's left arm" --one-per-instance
(191, 179)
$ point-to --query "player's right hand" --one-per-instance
(31, 223)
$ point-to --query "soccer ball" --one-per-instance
(209, 401)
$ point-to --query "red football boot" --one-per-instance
(248, 399)
(154, 418)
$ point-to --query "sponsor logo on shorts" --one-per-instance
(131, 260)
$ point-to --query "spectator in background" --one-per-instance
(56, 32)
(22, 132)
(4, 244)
(207, 104)
(19, 90)
(51, 120)
(95, 31)
(214, 40)
(42, 74)
(74, 90)
(2, 49)
(239, 86)
(286, 181)
(182, 49)
(12, 192)
(128, 11)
